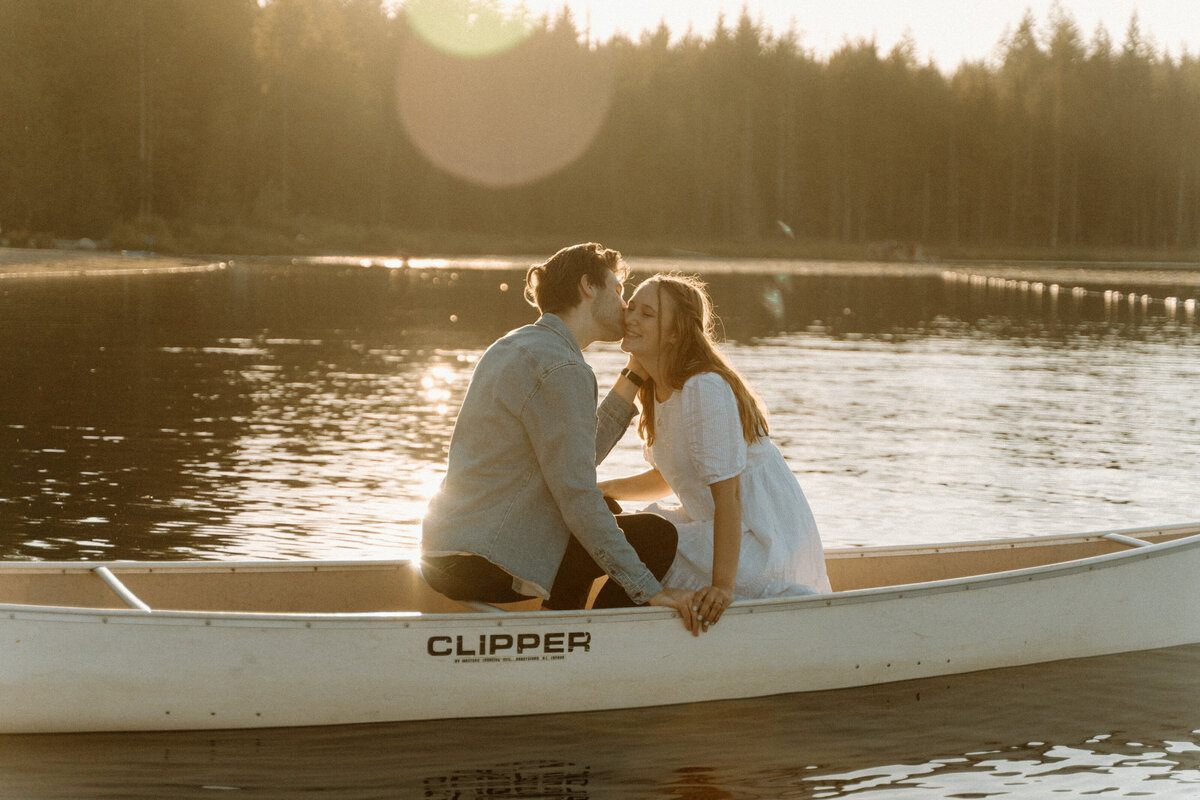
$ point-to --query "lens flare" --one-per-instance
(468, 28)
(500, 116)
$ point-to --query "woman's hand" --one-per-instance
(709, 604)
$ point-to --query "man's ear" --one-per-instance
(586, 290)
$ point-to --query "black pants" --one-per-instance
(472, 577)
(469, 577)
(652, 537)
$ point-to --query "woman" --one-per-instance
(745, 528)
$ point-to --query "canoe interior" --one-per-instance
(375, 586)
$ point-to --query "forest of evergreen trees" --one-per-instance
(212, 122)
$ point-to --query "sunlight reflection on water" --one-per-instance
(304, 410)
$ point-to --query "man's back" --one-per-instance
(493, 468)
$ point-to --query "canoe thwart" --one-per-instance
(131, 599)
(479, 605)
(1129, 541)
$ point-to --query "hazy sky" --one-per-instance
(946, 31)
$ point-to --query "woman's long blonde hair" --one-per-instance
(692, 350)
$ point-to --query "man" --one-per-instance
(519, 514)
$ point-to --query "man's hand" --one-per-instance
(681, 601)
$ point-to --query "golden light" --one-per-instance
(489, 99)
(468, 28)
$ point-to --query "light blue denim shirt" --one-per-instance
(521, 476)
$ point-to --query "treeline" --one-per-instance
(210, 122)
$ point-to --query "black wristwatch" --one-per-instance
(634, 378)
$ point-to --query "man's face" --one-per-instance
(608, 309)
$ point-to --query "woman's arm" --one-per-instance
(712, 601)
(727, 532)
(625, 387)
(617, 410)
(648, 485)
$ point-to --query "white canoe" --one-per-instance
(156, 646)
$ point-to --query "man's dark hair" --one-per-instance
(554, 286)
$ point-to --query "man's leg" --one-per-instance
(652, 537)
(469, 577)
(655, 540)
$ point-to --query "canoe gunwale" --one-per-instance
(1015, 542)
(473, 618)
(314, 565)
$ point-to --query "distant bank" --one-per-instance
(70, 261)
(52, 263)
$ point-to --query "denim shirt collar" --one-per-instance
(554, 322)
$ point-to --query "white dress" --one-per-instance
(698, 442)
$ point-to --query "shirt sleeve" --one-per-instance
(559, 419)
(716, 446)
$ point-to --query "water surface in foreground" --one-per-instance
(1117, 726)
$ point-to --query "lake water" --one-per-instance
(1118, 726)
(274, 408)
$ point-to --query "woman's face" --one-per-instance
(647, 314)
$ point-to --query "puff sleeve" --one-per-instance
(716, 447)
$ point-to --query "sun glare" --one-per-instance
(469, 28)
(490, 97)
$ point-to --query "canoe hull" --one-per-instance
(68, 669)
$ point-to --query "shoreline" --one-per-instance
(54, 263)
(17, 263)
